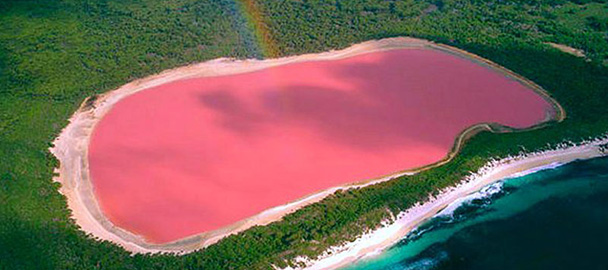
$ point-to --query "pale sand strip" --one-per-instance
(567, 49)
(374, 242)
(71, 146)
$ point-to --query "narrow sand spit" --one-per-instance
(374, 242)
(567, 49)
(71, 147)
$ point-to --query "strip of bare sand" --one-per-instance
(71, 147)
(567, 49)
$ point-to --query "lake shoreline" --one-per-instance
(71, 147)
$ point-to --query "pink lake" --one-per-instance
(196, 155)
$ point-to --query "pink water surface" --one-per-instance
(195, 155)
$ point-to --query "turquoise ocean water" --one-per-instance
(552, 219)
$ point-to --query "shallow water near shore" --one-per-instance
(551, 219)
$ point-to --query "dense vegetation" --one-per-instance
(54, 53)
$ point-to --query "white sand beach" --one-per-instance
(380, 239)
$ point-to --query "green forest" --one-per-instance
(54, 54)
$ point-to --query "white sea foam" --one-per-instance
(538, 169)
(486, 192)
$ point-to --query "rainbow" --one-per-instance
(253, 15)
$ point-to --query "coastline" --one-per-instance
(71, 147)
(376, 241)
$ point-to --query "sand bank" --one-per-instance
(567, 49)
(71, 147)
(374, 242)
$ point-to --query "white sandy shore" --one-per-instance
(71, 147)
(374, 242)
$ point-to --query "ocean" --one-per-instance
(551, 219)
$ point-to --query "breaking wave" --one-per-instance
(463, 208)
